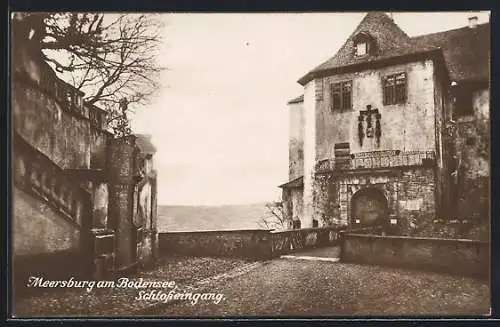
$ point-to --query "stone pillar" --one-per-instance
(309, 152)
(120, 169)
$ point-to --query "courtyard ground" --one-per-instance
(120, 301)
(281, 287)
(291, 288)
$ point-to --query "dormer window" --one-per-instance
(361, 49)
(363, 44)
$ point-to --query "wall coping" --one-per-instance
(409, 238)
(22, 142)
(309, 229)
(235, 231)
(271, 231)
(30, 83)
(393, 170)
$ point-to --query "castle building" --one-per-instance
(84, 200)
(393, 130)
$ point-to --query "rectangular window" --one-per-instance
(342, 95)
(361, 49)
(346, 95)
(463, 103)
(395, 89)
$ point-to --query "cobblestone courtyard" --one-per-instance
(279, 287)
(309, 288)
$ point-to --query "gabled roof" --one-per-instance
(466, 50)
(390, 41)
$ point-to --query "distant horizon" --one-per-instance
(214, 205)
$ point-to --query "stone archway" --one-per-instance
(368, 207)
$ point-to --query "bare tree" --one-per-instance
(274, 217)
(112, 58)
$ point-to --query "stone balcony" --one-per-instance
(377, 160)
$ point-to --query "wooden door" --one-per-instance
(368, 208)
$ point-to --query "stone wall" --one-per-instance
(470, 197)
(286, 198)
(61, 136)
(326, 200)
(51, 116)
(416, 200)
(296, 141)
(38, 229)
(43, 243)
(473, 152)
(297, 201)
(98, 148)
(409, 192)
(235, 243)
(463, 257)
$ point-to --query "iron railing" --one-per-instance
(288, 241)
(378, 159)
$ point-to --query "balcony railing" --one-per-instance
(37, 175)
(70, 98)
(378, 159)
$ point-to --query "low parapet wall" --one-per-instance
(254, 244)
(463, 257)
(259, 244)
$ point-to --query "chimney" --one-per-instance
(472, 21)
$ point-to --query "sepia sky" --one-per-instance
(220, 121)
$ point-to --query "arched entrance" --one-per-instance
(368, 208)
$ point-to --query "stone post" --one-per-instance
(121, 186)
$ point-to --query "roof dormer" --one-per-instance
(364, 44)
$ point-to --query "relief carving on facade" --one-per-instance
(370, 131)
